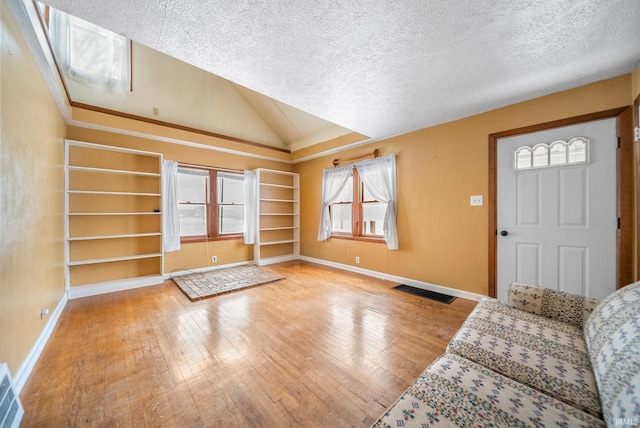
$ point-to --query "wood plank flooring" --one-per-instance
(322, 347)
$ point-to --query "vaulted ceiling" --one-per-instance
(385, 67)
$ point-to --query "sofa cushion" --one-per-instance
(612, 334)
(569, 308)
(545, 354)
(454, 391)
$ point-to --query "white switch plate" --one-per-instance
(476, 201)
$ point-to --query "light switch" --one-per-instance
(476, 201)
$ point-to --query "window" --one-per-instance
(87, 52)
(210, 211)
(230, 203)
(357, 213)
(557, 153)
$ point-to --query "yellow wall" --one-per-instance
(189, 96)
(136, 127)
(192, 255)
(31, 183)
(442, 239)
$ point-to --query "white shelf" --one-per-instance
(289, 214)
(114, 259)
(285, 191)
(282, 186)
(99, 192)
(130, 213)
(265, 229)
(284, 241)
(127, 235)
(133, 227)
(112, 171)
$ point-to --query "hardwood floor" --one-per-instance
(322, 347)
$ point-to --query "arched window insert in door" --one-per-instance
(557, 153)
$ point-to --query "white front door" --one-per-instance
(557, 222)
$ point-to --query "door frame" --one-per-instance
(636, 145)
(626, 164)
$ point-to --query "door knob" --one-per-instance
(504, 233)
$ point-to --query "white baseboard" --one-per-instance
(204, 269)
(112, 286)
(278, 259)
(23, 373)
(412, 282)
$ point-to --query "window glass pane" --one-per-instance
(230, 188)
(523, 158)
(118, 54)
(341, 218)
(558, 154)
(347, 193)
(88, 52)
(577, 151)
(373, 218)
(192, 220)
(540, 156)
(192, 186)
(366, 195)
(231, 219)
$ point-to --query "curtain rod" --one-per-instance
(338, 162)
(189, 165)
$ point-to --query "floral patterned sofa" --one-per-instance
(545, 358)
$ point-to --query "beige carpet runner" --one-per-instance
(206, 284)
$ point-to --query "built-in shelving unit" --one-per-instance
(113, 221)
(278, 201)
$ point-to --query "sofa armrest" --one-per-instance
(558, 305)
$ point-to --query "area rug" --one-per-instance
(207, 284)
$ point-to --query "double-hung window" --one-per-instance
(357, 214)
(210, 204)
(230, 201)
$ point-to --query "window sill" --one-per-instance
(193, 239)
(374, 239)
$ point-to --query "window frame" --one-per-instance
(212, 208)
(357, 225)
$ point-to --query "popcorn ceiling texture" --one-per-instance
(384, 67)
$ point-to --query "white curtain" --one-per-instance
(170, 219)
(333, 181)
(250, 207)
(89, 53)
(379, 178)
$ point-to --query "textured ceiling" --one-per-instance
(385, 67)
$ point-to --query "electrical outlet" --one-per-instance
(44, 313)
(476, 201)
(214, 259)
(357, 260)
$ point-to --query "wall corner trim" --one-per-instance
(23, 373)
(414, 283)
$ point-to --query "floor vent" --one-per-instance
(10, 408)
(438, 297)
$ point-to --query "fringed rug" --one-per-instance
(206, 284)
